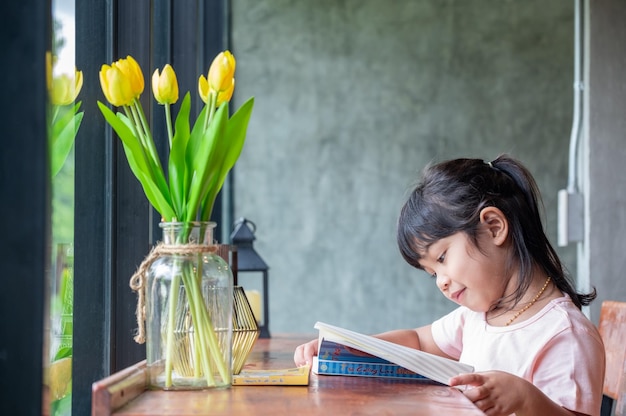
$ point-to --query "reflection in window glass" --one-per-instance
(64, 118)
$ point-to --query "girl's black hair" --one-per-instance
(449, 199)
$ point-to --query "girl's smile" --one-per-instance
(456, 296)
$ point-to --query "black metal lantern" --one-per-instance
(248, 260)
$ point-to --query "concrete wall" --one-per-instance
(353, 99)
(601, 258)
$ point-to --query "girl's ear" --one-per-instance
(495, 223)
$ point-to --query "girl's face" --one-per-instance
(466, 275)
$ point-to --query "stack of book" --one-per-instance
(345, 352)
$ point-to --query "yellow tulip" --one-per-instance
(222, 72)
(116, 87)
(220, 80)
(65, 89)
(59, 377)
(165, 85)
(131, 70)
(203, 89)
(225, 96)
(222, 97)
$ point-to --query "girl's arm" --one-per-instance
(500, 393)
(419, 338)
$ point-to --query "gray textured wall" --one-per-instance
(601, 260)
(353, 98)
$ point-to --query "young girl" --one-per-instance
(475, 227)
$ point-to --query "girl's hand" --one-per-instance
(493, 392)
(499, 393)
(304, 353)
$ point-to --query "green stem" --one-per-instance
(197, 349)
(214, 346)
(211, 109)
(169, 344)
(194, 305)
(142, 131)
(206, 325)
(207, 347)
(147, 138)
(168, 121)
(131, 113)
(138, 132)
(171, 320)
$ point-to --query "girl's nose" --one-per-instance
(442, 282)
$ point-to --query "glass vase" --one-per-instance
(189, 311)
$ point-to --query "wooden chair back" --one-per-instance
(612, 327)
(620, 407)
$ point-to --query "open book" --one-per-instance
(339, 360)
(430, 366)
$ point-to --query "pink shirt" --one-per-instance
(558, 350)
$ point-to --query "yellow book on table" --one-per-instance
(298, 376)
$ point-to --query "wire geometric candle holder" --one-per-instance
(245, 327)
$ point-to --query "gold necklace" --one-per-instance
(532, 302)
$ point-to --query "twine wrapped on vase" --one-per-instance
(138, 279)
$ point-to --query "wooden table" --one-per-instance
(124, 393)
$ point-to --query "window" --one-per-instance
(114, 225)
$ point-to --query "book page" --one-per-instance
(434, 367)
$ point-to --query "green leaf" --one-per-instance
(230, 148)
(150, 188)
(137, 160)
(63, 133)
(62, 406)
(64, 352)
(176, 165)
(236, 132)
(152, 157)
(201, 167)
(152, 170)
(63, 118)
(196, 137)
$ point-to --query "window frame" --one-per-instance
(25, 208)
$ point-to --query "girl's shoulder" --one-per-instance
(565, 311)
(562, 316)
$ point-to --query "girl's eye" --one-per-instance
(433, 275)
(441, 258)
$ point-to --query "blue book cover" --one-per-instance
(337, 359)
